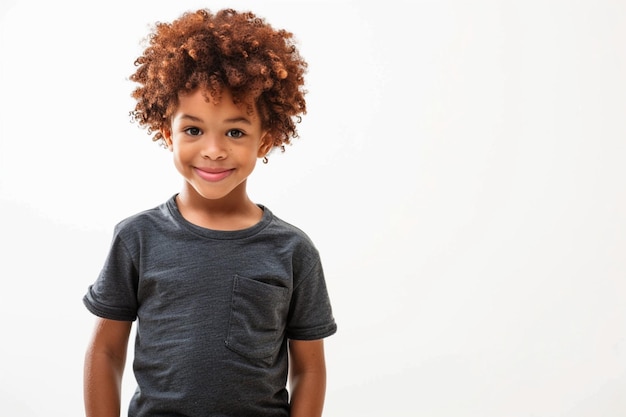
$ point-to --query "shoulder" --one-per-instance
(289, 238)
(287, 229)
(143, 221)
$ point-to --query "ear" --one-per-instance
(167, 137)
(267, 143)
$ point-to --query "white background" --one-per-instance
(461, 168)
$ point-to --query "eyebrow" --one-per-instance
(231, 120)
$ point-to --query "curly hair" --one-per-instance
(258, 64)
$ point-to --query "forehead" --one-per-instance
(200, 106)
(202, 97)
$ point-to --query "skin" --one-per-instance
(307, 377)
(215, 147)
(104, 366)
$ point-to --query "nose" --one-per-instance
(214, 147)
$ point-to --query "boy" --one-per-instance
(230, 301)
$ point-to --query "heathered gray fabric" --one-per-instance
(214, 311)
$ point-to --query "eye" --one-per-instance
(193, 131)
(235, 133)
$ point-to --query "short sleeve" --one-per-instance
(310, 314)
(114, 293)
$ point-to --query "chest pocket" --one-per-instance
(257, 318)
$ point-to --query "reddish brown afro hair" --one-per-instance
(239, 51)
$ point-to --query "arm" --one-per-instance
(104, 365)
(307, 377)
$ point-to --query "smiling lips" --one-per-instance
(213, 174)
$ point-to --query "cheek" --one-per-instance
(181, 155)
(181, 151)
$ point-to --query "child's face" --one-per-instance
(215, 146)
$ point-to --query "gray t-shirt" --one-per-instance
(214, 311)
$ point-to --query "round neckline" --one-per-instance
(219, 234)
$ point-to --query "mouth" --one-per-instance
(213, 174)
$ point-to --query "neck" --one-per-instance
(232, 212)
